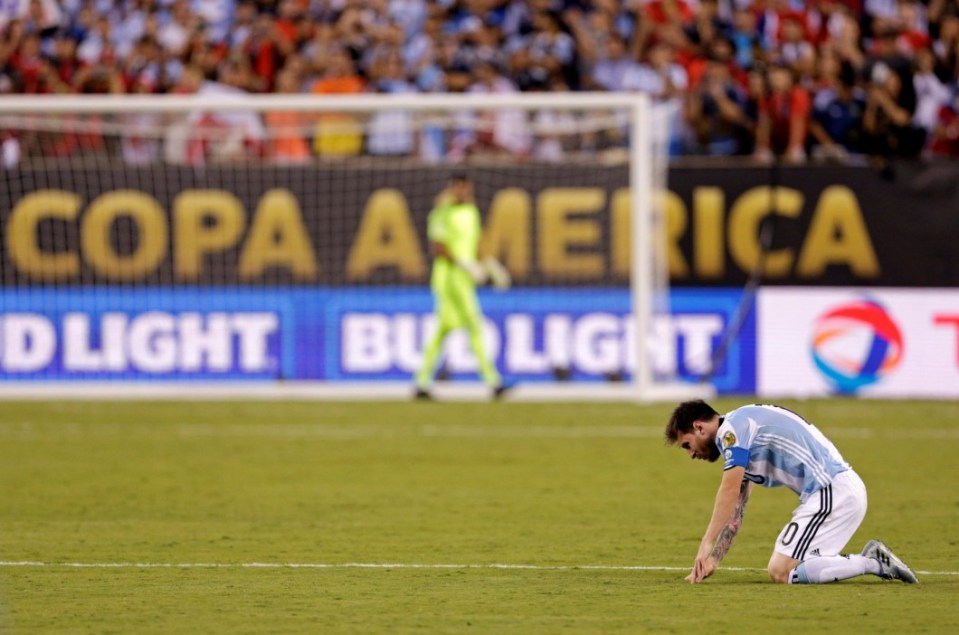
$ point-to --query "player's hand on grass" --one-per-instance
(702, 569)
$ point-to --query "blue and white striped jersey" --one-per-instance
(778, 447)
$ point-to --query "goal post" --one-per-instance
(167, 149)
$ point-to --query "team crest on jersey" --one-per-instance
(729, 439)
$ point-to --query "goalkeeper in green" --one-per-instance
(453, 230)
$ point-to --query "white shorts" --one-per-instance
(824, 523)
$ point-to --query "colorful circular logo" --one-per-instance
(856, 344)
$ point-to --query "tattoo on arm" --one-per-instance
(728, 533)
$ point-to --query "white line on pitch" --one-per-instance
(453, 431)
(366, 565)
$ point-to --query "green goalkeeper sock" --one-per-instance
(430, 355)
(487, 370)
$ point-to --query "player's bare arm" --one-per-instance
(440, 250)
(727, 499)
(728, 533)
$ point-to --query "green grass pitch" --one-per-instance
(608, 518)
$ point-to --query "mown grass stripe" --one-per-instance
(370, 565)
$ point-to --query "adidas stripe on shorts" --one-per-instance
(823, 524)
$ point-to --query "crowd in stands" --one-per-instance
(822, 79)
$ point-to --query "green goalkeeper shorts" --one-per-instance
(455, 301)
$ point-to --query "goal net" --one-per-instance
(283, 238)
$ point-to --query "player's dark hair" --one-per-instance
(459, 177)
(684, 416)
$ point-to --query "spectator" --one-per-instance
(524, 74)
(131, 25)
(420, 50)
(940, 10)
(615, 16)
(63, 58)
(603, 20)
(660, 77)
(82, 22)
(175, 33)
(554, 132)
(665, 82)
(707, 26)
(42, 17)
(796, 50)
(945, 134)
(721, 50)
(409, 15)
(885, 52)
(178, 129)
(757, 87)
(491, 46)
(385, 41)
(845, 40)
(11, 37)
(551, 49)
(222, 137)
(215, 13)
(290, 22)
(768, 14)
(148, 59)
(27, 61)
(97, 42)
(946, 46)
(338, 134)
(611, 66)
(473, 43)
(99, 79)
(502, 131)
(237, 73)
(783, 118)
(590, 41)
(745, 38)
(931, 93)
(825, 19)
(351, 31)
(913, 28)
(286, 143)
(671, 49)
(244, 17)
(141, 143)
(390, 132)
(836, 124)
(318, 52)
(714, 111)
(267, 48)
(669, 12)
(878, 10)
(887, 120)
(295, 24)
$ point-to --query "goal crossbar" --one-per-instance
(124, 104)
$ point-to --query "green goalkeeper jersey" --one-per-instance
(456, 225)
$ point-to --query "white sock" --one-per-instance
(832, 569)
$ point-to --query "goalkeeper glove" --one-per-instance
(477, 271)
(498, 274)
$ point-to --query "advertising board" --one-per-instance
(355, 334)
(870, 342)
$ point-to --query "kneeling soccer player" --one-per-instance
(771, 446)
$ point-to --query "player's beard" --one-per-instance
(714, 453)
